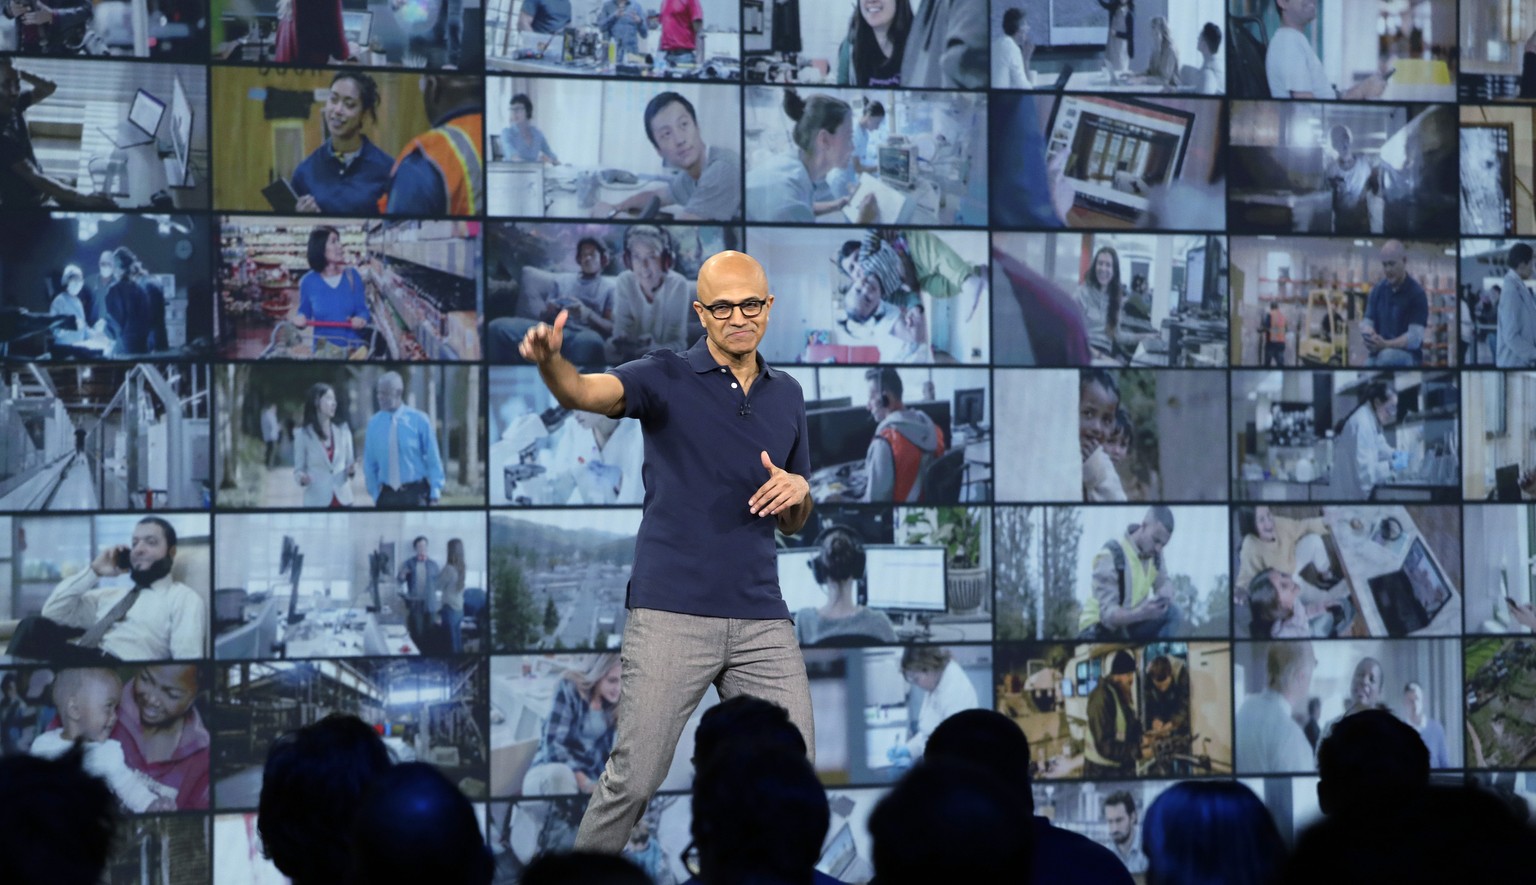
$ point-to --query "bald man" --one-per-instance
(1395, 314)
(725, 449)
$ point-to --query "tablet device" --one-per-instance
(1118, 150)
(280, 196)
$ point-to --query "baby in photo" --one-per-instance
(87, 702)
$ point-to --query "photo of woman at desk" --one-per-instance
(804, 165)
(893, 296)
(1061, 285)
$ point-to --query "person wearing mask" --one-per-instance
(135, 307)
(1132, 594)
(1515, 341)
(906, 442)
(401, 463)
(785, 188)
(332, 292)
(871, 54)
(22, 180)
(682, 21)
(450, 595)
(1293, 68)
(624, 22)
(706, 179)
(1362, 459)
(69, 305)
(347, 173)
(323, 458)
(946, 691)
(440, 171)
(839, 568)
(1011, 53)
(522, 141)
(1395, 313)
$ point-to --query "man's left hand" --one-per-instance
(782, 491)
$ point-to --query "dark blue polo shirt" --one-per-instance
(1392, 311)
(699, 551)
(353, 189)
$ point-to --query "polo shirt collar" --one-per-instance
(701, 360)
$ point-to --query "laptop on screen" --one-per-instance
(143, 121)
(1118, 150)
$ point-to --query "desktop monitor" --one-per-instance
(840, 436)
(836, 402)
(1194, 279)
(358, 27)
(146, 112)
(898, 165)
(970, 407)
(181, 134)
(905, 577)
(797, 583)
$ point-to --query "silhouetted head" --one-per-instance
(1369, 760)
(950, 822)
(758, 813)
(582, 868)
(744, 719)
(989, 740)
(1210, 832)
(416, 827)
(310, 789)
(57, 822)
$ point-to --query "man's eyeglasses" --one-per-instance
(721, 310)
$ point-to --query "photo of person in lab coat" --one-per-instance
(948, 691)
(1362, 458)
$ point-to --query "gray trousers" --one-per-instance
(669, 660)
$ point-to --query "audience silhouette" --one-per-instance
(61, 832)
(1210, 833)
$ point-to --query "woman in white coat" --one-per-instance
(1362, 459)
(323, 458)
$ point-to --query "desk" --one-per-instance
(1306, 212)
(346, 632)
(1099, 81)
(131, 175)
(560, 197)
(1362, 559)
(923, 204)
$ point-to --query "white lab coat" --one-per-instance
(953, 694)
(1362, 459)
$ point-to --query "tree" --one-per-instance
(1061, 530)
(1016, 587)
(551, 616)
(514, 616)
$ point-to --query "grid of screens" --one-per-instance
(1209, 335)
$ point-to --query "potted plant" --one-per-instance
(958, 530)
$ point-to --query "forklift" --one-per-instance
(1324, 334)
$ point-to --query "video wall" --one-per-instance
(1214, 386)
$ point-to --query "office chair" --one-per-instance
(941, 482)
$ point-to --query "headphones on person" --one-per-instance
(885, 400)
(849, 561)
(668, 246)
